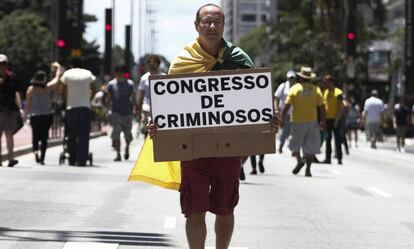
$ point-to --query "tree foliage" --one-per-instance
(26, 41)
(26, 37)
(311, 33)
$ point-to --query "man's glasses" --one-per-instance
(207, 23)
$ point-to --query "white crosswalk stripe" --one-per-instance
(336, 172)
(90, 245)
(169, 222)
(379, 192)
(213, 247)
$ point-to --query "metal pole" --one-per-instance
(132, 24)
(140, 32)
(113, 23)
(408, 47)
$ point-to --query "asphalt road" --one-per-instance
(367, 202)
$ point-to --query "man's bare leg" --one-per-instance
(117, 146)
(196, 230)
(1, 159)
(224, 230)
(10, 145)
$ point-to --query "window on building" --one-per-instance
(247, 6)
(248, 17)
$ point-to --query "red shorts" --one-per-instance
(210, 184)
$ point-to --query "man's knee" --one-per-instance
(198, 217)
(226, 217)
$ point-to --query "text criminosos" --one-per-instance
(209, 118)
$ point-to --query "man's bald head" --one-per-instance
(204, 6)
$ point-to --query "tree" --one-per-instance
(26, 41)
(311, 33)
(26, 37)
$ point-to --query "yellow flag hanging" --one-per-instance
(163, 174)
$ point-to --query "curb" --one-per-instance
(52, 143)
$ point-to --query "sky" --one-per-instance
(173, 24)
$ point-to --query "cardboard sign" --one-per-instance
(213, 114)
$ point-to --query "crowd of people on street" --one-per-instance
(120, 100)
(311, 111)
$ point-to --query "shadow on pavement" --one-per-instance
(256, 183)
(121, 238)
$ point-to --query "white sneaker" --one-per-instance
(403, 150)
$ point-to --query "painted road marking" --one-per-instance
(336, 172)
(169, 222)
(89, 245)
(379, 192)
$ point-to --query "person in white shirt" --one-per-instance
(372, 115)
(144, 98)
(78, 113)
(281, 94)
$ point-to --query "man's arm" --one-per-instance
(133, 99)
(283, 115)
(277, 96)
(18, 101)
(339, 110)
(394, 119)
(322, 116)
(412, 117)
(28, 99)
(108, 97)
(140, 100)
(276, 102)
(92, 90)
(55, 82)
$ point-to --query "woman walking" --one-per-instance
(10, 109)
(39, 108)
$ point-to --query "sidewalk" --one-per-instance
(23, 140)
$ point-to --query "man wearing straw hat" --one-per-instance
(304, 98)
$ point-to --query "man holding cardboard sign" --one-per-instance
(209, 183)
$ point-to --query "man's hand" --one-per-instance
(336, 123)
(322, 125)
(152, 129)
(275, 122)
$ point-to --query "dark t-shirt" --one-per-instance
(401, 115)
(8, 95)
(121, 96)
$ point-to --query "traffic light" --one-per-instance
(60, 43)
(351, 44)
(351, 37)
(108, 42)
(75, 8)
(127, 75)
(127, 52)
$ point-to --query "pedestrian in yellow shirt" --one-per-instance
(332, 99)
(304, 98)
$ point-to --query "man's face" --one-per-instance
(210, 27)
(119, 75)
(329, 83)
(291, 80)
(152, 65)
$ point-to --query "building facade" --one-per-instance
(244, 15)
